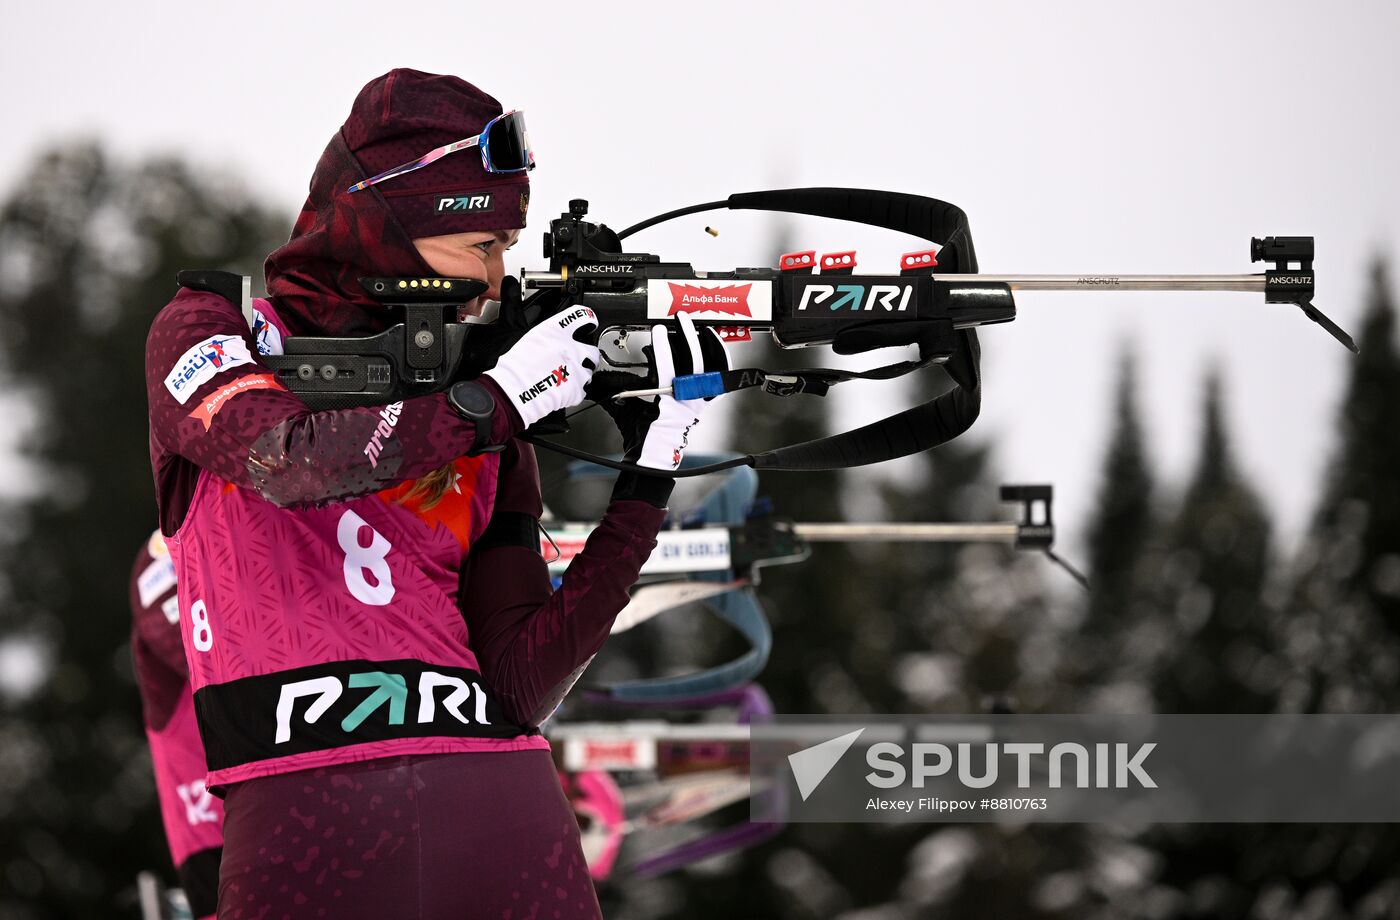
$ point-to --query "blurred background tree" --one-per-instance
(1123, 543)
(1344, 642)
(90, 251)
(1215, 647)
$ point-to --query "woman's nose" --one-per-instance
(495, 274)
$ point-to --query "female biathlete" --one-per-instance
(367, 622)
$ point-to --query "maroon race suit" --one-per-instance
(348, 639)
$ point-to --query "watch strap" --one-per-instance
(482, 421)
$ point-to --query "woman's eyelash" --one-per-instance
(485, 246)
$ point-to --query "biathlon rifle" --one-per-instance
(713, 555)
(700, 768)
(934, 302)
(766, 540)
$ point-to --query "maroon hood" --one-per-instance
(340, 237)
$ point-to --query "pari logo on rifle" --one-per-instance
(822, 299)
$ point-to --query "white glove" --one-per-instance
(693, 351)
(550, 365)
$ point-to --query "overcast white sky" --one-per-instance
(1080, 137)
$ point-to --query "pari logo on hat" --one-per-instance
(415, 126)
(467, 201)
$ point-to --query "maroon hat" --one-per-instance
(403, 115)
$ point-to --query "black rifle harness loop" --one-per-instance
(908, 432)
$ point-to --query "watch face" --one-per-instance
(473, 400)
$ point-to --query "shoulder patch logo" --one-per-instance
(155, 580)
(266, 336)
(197, 366)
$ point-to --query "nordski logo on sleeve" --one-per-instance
(388, 418)
(197, 366)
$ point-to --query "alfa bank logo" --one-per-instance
(719, 299)
(556, 378)
(731, 300)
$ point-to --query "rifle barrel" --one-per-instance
(928, 533)
(1248, 283)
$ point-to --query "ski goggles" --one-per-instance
(505, 148)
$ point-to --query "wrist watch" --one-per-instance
(474, 402)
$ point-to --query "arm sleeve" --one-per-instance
(156, 648)
(152, 587)
(213, 403)
(528, 641)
